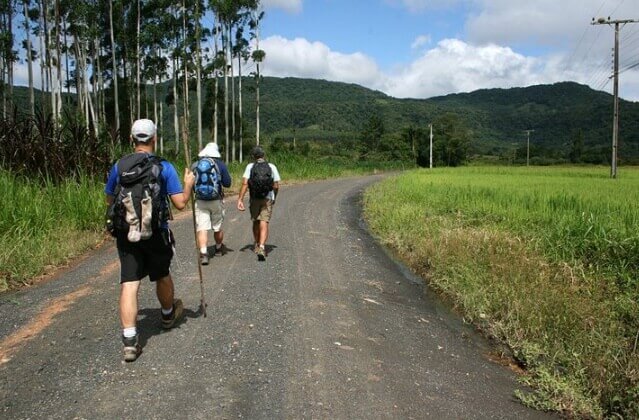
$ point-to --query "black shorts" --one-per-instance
(151, 257)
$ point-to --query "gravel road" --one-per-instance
(329, 326)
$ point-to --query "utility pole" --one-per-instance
(431, 147)
(615, 75)
(528, 146)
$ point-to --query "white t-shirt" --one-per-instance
(276, 177)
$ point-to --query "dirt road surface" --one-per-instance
(327, 327)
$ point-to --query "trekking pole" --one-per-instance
(187, 156)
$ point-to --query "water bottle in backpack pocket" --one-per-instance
(207, 180)
(138, 209)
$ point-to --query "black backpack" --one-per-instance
(137, 205)
(260, 181)
(207, 180)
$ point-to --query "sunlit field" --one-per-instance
(544, 259)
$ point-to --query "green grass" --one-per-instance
(43, 225)
(542, 259)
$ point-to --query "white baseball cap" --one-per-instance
(143, 130)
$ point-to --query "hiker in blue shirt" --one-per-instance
(144, 241)
(211, 176)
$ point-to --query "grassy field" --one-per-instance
(543, 259)
(43, 225)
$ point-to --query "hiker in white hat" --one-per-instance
(211, 177)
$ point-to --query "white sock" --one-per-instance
(218, 246)
(129, 332)
(167, 311)
(204, 250)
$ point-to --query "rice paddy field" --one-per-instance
(544, 260)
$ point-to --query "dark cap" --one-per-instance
(257, 152)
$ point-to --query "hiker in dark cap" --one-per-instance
(262, 179)
(136, 191)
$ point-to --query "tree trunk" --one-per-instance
(215, 74)
(59, 59)
(116, 99)
(239, 74)
(66, 57)
(257, 85)
(42, 62)
(27, 30)
(226, 99)
(137, 63)
(232, 95)
(10, 54)
(176, 120)
(198, 75)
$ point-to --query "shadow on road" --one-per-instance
(150, 323)
(268, 248)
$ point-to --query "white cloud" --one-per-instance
(455, 66)
(546, 22)
(291, 6)
(420, 41)
(449, 67)
(302, 58)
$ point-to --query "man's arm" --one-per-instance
(240, 196)
(180, 200)
(276, 189)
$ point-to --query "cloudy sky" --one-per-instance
(425, 48)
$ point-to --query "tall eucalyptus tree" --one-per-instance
(258, 56)
(26, 5)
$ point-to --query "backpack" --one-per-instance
(207, 180)
(138, 208)
(260, 181)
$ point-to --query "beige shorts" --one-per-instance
(261, 209)
(209, 215)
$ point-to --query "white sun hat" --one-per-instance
(211, 150)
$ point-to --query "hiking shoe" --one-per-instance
(222, 250)
(169, 321)
(132, 348)
(261, 254)
(204, 259)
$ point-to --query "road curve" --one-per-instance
(327, 327)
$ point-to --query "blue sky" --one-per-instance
(373, 27)
(424, 48)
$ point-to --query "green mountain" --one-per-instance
(561, 115)
(558, 113)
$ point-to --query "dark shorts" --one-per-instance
(151, 257)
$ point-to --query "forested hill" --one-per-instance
(310, 109)
(558, 113)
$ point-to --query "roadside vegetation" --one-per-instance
(44, 223)
(543, 260)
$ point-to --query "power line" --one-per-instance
(617, 8)
(629, 67)
(574, 52)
